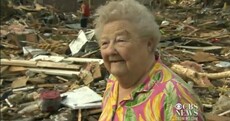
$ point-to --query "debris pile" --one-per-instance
(196, 46)
(45, 54)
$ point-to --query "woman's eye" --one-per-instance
(120, 40)
(104, 44)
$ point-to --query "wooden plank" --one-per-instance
(86, 76)
(69, 59)
(96, 71)
(84, 60)
(3, 68)
(58, 65)
(79, 115)
(194, 74)
(56, 72)
(20, 82)
(17, 69)
(18, 62)
(44, 64)
(201, 48)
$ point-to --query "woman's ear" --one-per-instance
(150, 45)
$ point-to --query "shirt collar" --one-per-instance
(153, 76)
(148, 82)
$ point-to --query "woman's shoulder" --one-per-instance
(170, 84)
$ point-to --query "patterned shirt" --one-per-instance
(163, 96)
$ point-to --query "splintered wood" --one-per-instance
(198, 77)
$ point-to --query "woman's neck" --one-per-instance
(131, 81)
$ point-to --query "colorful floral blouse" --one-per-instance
(163, 96)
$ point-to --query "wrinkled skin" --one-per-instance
(125, 54)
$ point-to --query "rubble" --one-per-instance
(43, 49)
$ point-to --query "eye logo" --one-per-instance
(178, 106)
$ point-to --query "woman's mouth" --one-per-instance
(116, 61)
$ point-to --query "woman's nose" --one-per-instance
(111, 49)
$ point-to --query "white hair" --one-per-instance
(132, 11)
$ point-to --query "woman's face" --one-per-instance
(123, 52)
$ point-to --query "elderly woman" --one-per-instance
(140, 87)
